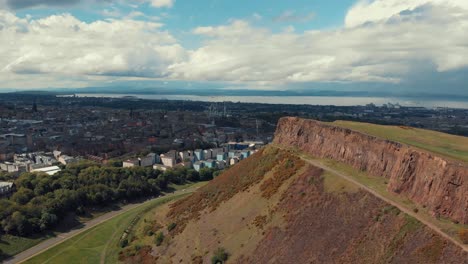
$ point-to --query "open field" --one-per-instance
(100, 244)
(452, 146)
(11, 245)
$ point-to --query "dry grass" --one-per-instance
(285, 170)
(447, 145)
(237, 179)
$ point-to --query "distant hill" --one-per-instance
(282, 206)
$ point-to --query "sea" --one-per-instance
(298, 100)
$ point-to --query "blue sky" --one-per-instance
(398, 45)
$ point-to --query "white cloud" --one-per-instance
(386, 45)
(380, 10)
(62, 46)
(162, 3)
(383, 41)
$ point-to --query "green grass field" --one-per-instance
(99, 244)
(12, 245)
(451, 146)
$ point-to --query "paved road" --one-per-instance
(402, 208)
(49, 243)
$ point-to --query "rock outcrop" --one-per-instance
(436, 182)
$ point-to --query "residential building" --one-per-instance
(5, 188)
(199, 154)
(130, 163)
(210, 163)
(168, 161)
(198, 165)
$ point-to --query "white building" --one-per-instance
(5, 188)
(130, 163)
(168, 161)
(48, 170)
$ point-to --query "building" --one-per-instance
(147, 161)
(208, 154)
(233, 161)
(5, 188)
(48, 170)
(221, 164)
(245, 153)
(200, 154)
(168, 161)
(221, 156)
(210, 163)
(198, 165)
(65, 160)
(130, 163)
(186, 155)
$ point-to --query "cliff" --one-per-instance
(275, 208)
(438, 183)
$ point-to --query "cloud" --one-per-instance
(19, 4)
(365, 11)
(22, 4)
(62, 46)
(385, 48)
(162, 3)
(387, 42)
(290, 16)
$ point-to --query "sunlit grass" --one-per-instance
(452, 146)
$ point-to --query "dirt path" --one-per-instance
(398, 205)
(49, 243)
(401, 207)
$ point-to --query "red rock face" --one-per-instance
(436, 182)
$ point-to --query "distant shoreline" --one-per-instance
(292, 99)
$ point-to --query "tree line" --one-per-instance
(40, 201)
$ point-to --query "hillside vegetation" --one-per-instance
(452, 146)
(275, 208)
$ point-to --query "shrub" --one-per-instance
(219, 256)
(123, 243)
(415, 210)
(463, 234)
(159, 239)
(171, 226)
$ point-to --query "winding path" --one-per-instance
(402, 208)
(49, 243)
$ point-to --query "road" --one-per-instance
(49, 243)
(389, 201)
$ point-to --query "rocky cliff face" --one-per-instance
(436, 182)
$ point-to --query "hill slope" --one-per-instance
(275, 208)
(433, 181)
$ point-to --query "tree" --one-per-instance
(206, 174)
(20, 223)
(47, 220)
(23, 196)
(193, 175)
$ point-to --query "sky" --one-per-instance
(406, 46)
